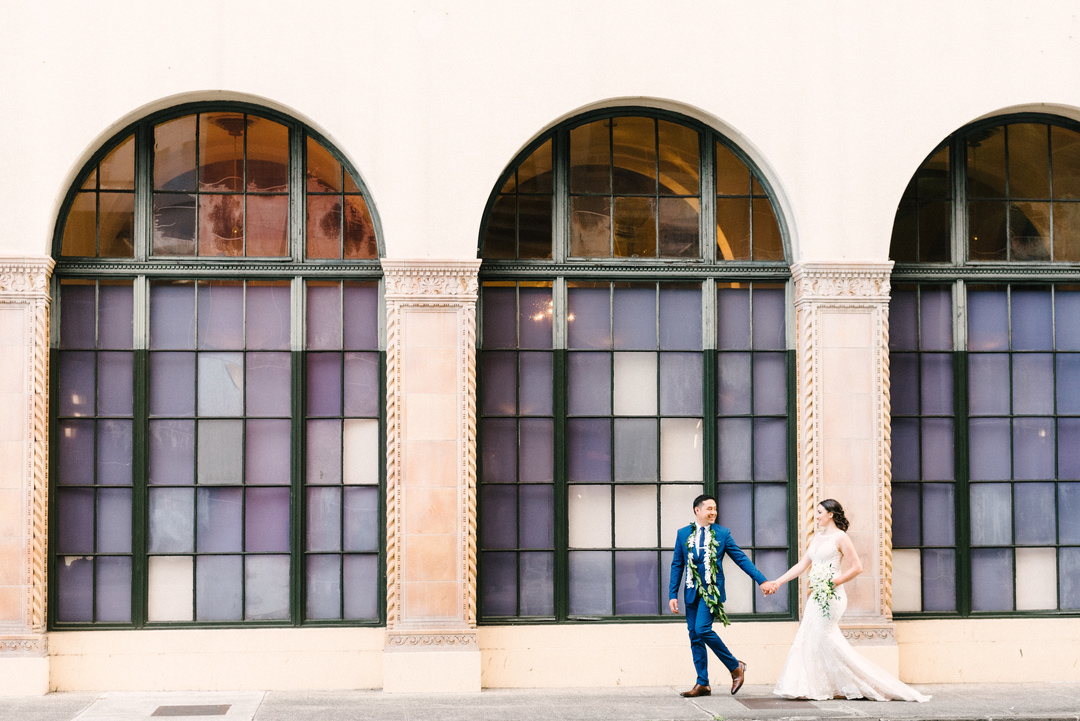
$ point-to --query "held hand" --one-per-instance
(673, 604)
(769, 587)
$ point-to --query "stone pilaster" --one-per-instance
(24, 360)
(431, 476)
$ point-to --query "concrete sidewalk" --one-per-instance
(952, 701)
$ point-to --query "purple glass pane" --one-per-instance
(991, 569)
(590, 583)
(1033, 511)
(903, 328)
(734, 449)
(218, 588)
(770, 449)
(1033, 448)
(498, 526)
(268, 313)
(906, 515)
(114, 453)
(1068, 443)
(221, 315)
(219, 519)
(323, 317)
(323, 384)
(1068, 513)
(114, 384)
(937, 384)
(77, 305)
(75, 521)
(537, 584)
(937, 449)
(988, 320)
(112, 600)
(75, 586)
(498, 383)
(76, 391)
(988, 384)
(991, 514)
(361, 384)
(535, 322)
(770, 515)
(733, 318)
(172, 452)
(76, 453)
(904, 388)
(1067, 319)
(268, 452)
(939, 579)
(535, 393)
(665, 566)
(905, 449)
(360, 578)
(116, 316)
(172, 520)
(680, 384)
(936, 309)
(269, 384)
(770, 384)
(589, 449)
(1069, 578)
(266, 513)
(498, 440)
(361, 531)
(323, 585)
(536, 509)
(769, 308)
(590, 383)
(498, 589)
(1032, 319)
(680, 318)
(114, 520)
(1033, 383)
(1068, 383)
(537, 449)
(172, 315)
(636, 449)
(635, 583)
(635, 318)
(939, 514)
(989, 444)
(733, 370)
(221, 384)
(172, 384)
(500, 317)
(323, 519)
(734, 510)
(266, 587)
(772, 564)
(589, 318)
(361, 301)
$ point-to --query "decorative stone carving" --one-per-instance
(407, 280)
(431, 641)
(37, 645)
(869, 635)
(24, 277)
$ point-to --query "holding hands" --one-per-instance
(769, 587)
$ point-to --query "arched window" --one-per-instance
(216, 389)
(633, 355)
(985, 360)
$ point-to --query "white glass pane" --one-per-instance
(221, 447)
(635, 449)
(739, 588)
(221, 384)
(635, 516)
(1036, 579)
(680, 449)
(907, 580)
(590, 516)
(676, 510)
(635, 384)
(266, 587)
(991, 514)
(170, 581)
(172, 520)
(361, 452)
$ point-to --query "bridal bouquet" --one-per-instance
(822, 589)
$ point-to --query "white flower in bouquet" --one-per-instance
(822, 589)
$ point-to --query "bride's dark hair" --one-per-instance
(837, 511)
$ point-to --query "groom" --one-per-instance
(699, 551)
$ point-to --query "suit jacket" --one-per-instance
(724, 544)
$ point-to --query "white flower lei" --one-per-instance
(707, 589)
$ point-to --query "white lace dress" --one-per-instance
(821, 663)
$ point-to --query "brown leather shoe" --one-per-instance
(697, 690)
(737, 678)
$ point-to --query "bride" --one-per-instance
(821, 663)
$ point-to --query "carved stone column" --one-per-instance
(24, 360)
(431, 476)
(842, 312)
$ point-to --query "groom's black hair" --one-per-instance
(702, 498)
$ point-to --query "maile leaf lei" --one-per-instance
(708, 591)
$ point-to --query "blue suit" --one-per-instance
(699, 618)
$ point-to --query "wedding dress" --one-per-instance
(821, 663)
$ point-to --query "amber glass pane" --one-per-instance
(267, 225)
(590, 227)
(680, 159)
(221, 225)
(534, 173)
(1029, 161)
(115, 228)
(679, 219)
(174, 154)
(324, 226)
(1067, 232)
(80, 227)
(634, 155)
(1065, 157)
(635, 227)
(1029, 231)
(986, 163)
(359, 230)
(935, 224)
(500, 234)
(590, 158)
(733, 228)
(267, 156)
(933, 177)
(91, 181)
(118, 167)
(986, 228)
(768, 245)
(221, 151)
(323, 170)
(755, 186)
(732, 175)
(534, 229)
(174, 224)
(904, 245)
(350, 182)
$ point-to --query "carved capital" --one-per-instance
(25, 278)
(30, 645)
(455, 640)
(438, 280)
(845, 282)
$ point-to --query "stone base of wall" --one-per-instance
(24, 676)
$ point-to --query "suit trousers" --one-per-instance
(699, 621)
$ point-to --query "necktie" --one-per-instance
(701, 540)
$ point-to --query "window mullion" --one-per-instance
(560, 149)
(140, 453)
(299, 454)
